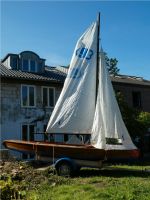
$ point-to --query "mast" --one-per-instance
(97, 62)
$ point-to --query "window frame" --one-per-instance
(28, 130)
(30, 60)
(27, 156)
(29, 65)
(48, 106)
(15, 62)
(23, 65)
(28, 86)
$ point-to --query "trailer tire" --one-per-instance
(64, 168)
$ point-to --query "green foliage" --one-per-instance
(10, 189)
(144, 118)
(17, 178)
(113, 183)
(114, 141)
(112, 65)
(136, 121)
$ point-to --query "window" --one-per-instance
(45, 97)
(51, 97)
(28, 135)
(48, 96)
(136, 97)
(28, 132)
(27, 96)
(65, 138)
(29, 65)
(31, 96)
(31, 133)
(32, 66)
(25, 65)
(24, 132)
(15, 63)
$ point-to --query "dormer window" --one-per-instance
(26, 61)
(29, 65)
(15, 63)
(32, 66)
(25, 65)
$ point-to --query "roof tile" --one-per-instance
(51, 74)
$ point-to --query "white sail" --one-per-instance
(108, 121)
(74, 110)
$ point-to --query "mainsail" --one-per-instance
(75, 108)
(108, 121)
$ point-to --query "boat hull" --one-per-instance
(47, 149)
(73, 151)
(122, 156)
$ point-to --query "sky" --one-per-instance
(52, 28)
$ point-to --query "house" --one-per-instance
(30, 89)
(136, 91)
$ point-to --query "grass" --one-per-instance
(119, 182)
(113, 183)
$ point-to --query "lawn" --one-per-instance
(110, 183)
(115, 183)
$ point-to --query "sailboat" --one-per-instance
(87, 109)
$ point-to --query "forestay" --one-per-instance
(108, 121)
(75, 108)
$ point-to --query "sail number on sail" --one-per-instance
(84, 53)
(81, 53)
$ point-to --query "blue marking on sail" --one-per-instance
(84, 53)
(75, 73)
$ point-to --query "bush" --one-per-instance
(11, 190)
(144, 119)
(136, 121)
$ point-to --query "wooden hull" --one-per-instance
(121, 156)
(59, 150)
(47, 149)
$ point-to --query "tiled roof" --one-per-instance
(63, 69)
(58, 74)
(119, 78)
(130, 80)
(51, 74)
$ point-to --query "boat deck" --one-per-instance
(50, 144)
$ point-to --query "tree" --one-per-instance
(112, 65)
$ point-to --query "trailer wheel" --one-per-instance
(64, 168)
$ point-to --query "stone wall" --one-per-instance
(13, 116)
(127, 90)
